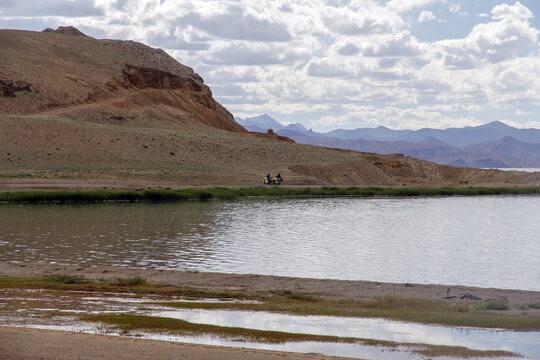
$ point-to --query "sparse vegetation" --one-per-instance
(127, 322)
(133, 281)
(223, 193)
(493, 304)
(528, 306)
(388, 307)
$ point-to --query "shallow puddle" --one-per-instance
(58, 311)
(527, 343)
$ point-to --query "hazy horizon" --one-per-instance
(285, 123)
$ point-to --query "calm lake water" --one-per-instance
(491, 241)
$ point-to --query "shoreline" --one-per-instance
(253, 283)
(231, 193)
(62, 345)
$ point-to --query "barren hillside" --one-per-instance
(76, 110)
(123, 80)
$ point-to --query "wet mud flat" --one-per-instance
(216, 318)
(180, 320)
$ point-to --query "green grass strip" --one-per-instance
(222, 193)
(130, 322)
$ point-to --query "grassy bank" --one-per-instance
(168, 195)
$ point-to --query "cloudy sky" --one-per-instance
(334, 63)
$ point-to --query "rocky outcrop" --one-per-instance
(68, 30)
(9, 88)
(144, 78)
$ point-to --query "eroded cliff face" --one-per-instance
(144, 77)
(63, 69)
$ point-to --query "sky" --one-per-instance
(327, 64)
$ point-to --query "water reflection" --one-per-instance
(58, 311)
(380, 329)
(478, 241)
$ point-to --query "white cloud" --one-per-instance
(348, 49)
(400, 44)
(516, 11)
(455, 8)
(285, 6)
(324, 68)
(346, 22)
(239, 24)
(521, 112)
(426, 16)
(242, 53)
(407, 5)
(494, 41)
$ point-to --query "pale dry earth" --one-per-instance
(35, 344)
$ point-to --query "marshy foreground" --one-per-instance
(334, 317)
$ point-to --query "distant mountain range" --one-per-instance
(493, 145)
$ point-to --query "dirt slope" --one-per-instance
(59, 69)
(76, 112)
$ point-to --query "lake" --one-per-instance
(490, 241)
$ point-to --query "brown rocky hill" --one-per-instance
(58, 69)
(80, 112)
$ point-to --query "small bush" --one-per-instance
(460, 308)
(133, 281)
(493, 304)
(289, 294)
(529, 306)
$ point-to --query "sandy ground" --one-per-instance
(35, 344)
(261, 283)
